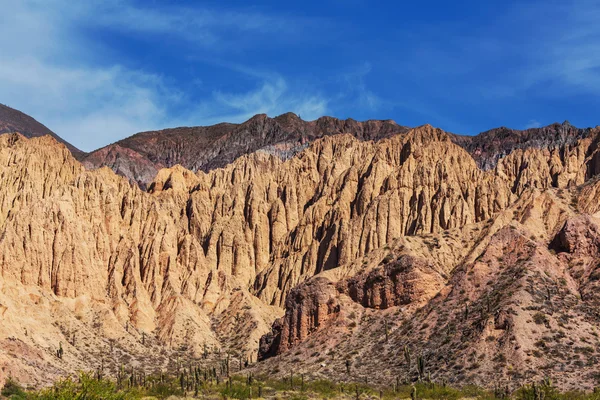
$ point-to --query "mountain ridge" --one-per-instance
(139, 157)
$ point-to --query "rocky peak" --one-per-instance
(490, 146)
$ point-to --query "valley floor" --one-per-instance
(194, 386)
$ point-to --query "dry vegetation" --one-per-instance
(197, 385)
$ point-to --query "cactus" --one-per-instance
(407, 359)
(421, 367)
(60, 351)
(120, 376)
(536, 392)
(387, 332)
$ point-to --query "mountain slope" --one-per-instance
(490, 146)
(12, 120)
(347, 236)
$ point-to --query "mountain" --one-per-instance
(12, 120)
(490, 146)
(140, 156)
(327, 261)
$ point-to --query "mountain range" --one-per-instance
(328, 247)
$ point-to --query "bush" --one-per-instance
(86, 388)
(13, 390)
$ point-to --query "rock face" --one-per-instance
(401, 282)
(402, 235)
(490, 146)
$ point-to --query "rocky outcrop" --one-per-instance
(310, 306)
(404, 281)
(489, 147)
(512, 316)
(578, 245)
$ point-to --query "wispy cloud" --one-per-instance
(272, 96)
(357, 88)
(533, 124)
(565, 56)
(551, 48)
(49, 69)
(99, 105)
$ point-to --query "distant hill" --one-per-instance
(12, 120)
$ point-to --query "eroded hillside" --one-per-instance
(394, 232)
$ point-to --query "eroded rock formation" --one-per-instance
(344, 229)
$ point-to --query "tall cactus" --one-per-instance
(407, 359)
(413, 393)
(387, 331)
(60, 351)
(421, 367)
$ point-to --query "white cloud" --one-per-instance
(272, 97)
(533, 124)
(88, 106)
(358, 89)
(48, 71)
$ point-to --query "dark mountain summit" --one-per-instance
(12, 120)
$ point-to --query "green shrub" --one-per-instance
(13, 390)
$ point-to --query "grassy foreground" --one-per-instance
(91, 388)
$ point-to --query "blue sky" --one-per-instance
(97, 71)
